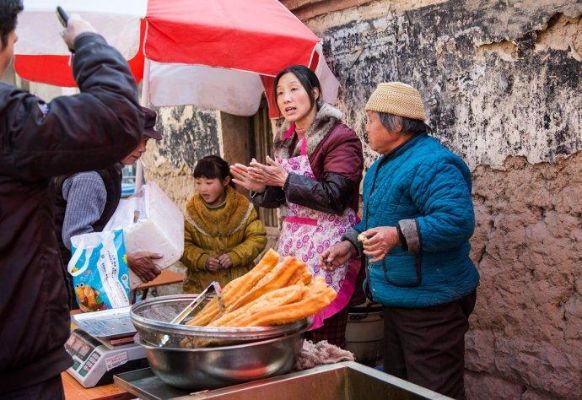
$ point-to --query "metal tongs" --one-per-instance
(194, 305)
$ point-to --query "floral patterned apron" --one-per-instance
(307, 232)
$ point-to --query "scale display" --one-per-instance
(95, 362)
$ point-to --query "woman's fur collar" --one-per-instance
(325, 119)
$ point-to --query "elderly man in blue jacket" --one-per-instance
(417, 220)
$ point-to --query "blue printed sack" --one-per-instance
(99, 269)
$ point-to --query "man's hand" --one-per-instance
(75, 27)
(225, 261)
(213, 264)
(379, 241)
(241, 176)
(336, 255)
(142, 265)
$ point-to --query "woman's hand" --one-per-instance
(379, 241)
(241, 176)
(336, 255)
(272, 174)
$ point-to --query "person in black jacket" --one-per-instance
(39, 140)
(86, 201)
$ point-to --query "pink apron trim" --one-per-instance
(289, 132)
(304, 146)
(301, 220)
(343, 297)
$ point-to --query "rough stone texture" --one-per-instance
(527, 326)
(482, 386)
(305, 9)
(498, 77)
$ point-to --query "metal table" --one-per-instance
(341, 381)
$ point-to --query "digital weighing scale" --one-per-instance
(102, 345)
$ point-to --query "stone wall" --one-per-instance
(501, 81)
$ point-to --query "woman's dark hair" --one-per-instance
(306, 77)
(8, 16)
(396, 123)
(212, 167)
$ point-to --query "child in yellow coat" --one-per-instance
(223, 234)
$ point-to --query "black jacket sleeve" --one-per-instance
(272, 197)
(332, 194)
(91, 130)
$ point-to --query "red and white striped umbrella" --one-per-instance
(216, 54)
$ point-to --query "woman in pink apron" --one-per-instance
(314, 178)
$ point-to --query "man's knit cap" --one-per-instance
(397, 98)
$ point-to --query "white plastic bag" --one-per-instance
(151, 222)
(99, 268)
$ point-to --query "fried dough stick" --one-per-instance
(318, 296)
(236, 288)
(275, 298)
(279, 277)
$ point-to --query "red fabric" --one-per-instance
(268, 83)
(301, 220)
(340, 152)
(288, 134)
(262, 37)
(56, 70)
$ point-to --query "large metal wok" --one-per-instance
(229, 355)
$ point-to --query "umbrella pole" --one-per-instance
(144, 101)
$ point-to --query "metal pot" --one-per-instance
(237, 354)
(152, 321)
(209, 368)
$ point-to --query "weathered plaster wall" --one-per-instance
(499, 78)
(189, 135)
(502, 84)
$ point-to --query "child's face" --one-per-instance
(212, 190)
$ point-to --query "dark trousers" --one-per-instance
(51, 389)
(333, 330)
(426, 346)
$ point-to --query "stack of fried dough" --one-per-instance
(274, 292)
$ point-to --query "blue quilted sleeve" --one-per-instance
(441, 191)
